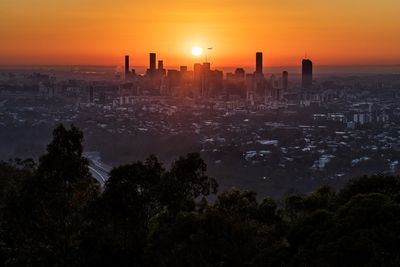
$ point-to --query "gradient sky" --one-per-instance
(101, 32)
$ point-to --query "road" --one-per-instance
(99, 169)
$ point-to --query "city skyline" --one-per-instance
(199, 133)
(97, 33)
(154, 71)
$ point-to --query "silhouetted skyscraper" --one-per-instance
(160, 68)
(126, 66)
(259, 63)
(285, 80)
(152, 62)
(197, 69)
(307, 74)
(206, 71)
(197, 78)
(160, 65)
(206, 66)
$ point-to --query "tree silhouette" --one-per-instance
(54, 214)
(46, 216)
(135, 197)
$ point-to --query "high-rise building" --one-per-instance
(259, 63)
(127, 66)
(202, 78)
(197, 68)
(206, 72)
(160, 65)
(152, 62)
(198, 78)
(206, 67)
(160, 68)
(173, 81)
(285, 80)
(215, 83)
(185, 75)
(307, 74)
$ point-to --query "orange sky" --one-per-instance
(101, 32)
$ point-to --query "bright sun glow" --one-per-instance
(197, 51)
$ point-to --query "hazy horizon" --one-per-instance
(294, 69)
(356, 32)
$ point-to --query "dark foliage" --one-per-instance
(56, 214)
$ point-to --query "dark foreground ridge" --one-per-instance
(55, 214)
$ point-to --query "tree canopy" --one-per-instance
(54, 213)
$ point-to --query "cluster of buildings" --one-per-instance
(265, 132)
(204, 82)
(258, 147)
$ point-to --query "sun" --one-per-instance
(197, 51)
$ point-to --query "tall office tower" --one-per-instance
(197, 69)
(198, 78)
(160, 65)
(184, 74)
(206, 73)
(285, 80)
(206, 66)
(307, 74)
(126, 66)
(160, 68)
(173, 82)
(259, 63)
(152, 63)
